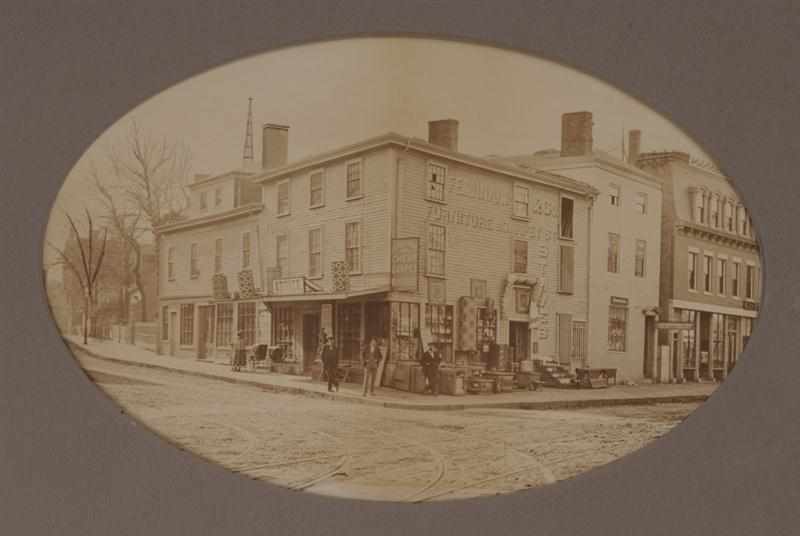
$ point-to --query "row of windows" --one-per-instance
(316, 191)
(220, 323)
(194, 257)
(639, 199)
(720, 212)
(352, 246)
(204, 199)
(639, 258)
(721, 276)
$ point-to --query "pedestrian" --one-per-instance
(370, 360)
(330, 364)
(239, 352)
(430, 368)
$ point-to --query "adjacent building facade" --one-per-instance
(710, 267)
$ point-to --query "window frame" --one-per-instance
(360, 163)
(722, 276)
(640, 200)
(428, 182)
(278, 239)
(514, 266)
(187, 327)
(243, 314)
(617, 253)
(708, 273)
(321, 173)
(171, 263)
(693, 257)
(247, 252)
(430, 249)
(219, 249)
(203, 204)
(217, 197)
(359, 247)
(223, 325)
(637, 258)
(615, 200)
(625, 318)
(561, 233)
(278, 186)
(562, 276)
(520, 186)
(320, 273)
(520, 292)
(194, 260)
(736, 278)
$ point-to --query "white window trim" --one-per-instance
(615, 187)
(360, 162)
(192, 274)
(361, 246)
(427, 180)
(321, 252)
(527, 216)
(324, 184)
(428, 272)
(513, 260)
(287, 182)
(696, 270)
(560, 235)
(725, 285)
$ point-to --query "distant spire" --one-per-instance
(247, 158)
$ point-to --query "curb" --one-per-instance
(530, 405)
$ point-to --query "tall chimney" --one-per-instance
(634, 146)
(576, 134)
(274, 146)
(443, 133)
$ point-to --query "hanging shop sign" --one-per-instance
(616, 300)
(405, 264)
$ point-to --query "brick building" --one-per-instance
(626, 247)
(395, 235)
(710, 267)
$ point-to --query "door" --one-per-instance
(310, 340)
(579, 343)
(519, 341)
(173, 332)
(564, 328)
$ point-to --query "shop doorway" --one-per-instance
(310, 340)
(519, 342)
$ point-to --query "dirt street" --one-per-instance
(350, 450)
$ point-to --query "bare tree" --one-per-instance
(85, 267)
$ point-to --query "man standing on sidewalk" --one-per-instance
(330, 364)
(370, 361)
(430, 367)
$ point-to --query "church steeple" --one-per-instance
(248, 162)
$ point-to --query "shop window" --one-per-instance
(639, 261)
(486, 326)
(171, 264)
(245, 250)
(187, 324)
(283, 198)
(436, 181)
(315, 253)
(688, 341)
(439, 322)
(477, 288)
(567, 217)
(521, 201)
(283, 331)
(717, 339)
(692, 270)
(164, 323)
(354, 180)
(282, 254)
(353, 247)
(194, 261)
(317, 189)
(349, 324)
(708, 262)
(617, 328)
(613, 253)
(520, 257)
(224, 323)
(566, 272)
(246, 321)
(404, 327)
(436, 249)
(722, 266)
(522, 299)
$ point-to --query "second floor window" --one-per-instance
(317, 195)
(692, 270)
(639, 261)
(315, 253)
(283, 198)
(354, 180)
(171, 264)
(352, 245)
(218, 256)
(194, 261)
(735, 276)
(282, 254)
(567, 211)
(750, 282)
(521, 201)
(436, 181)
(520, 265)
(613, 253)
(245, 251)
(722, 266)
(436, 249)
(707, 266)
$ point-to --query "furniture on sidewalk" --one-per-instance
(257, 356)
(595, 378)
(531, 381)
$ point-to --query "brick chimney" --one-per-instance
(443, 133)
(576, 133)
(274, 146)
(634, 146)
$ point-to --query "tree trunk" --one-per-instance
(86, 312)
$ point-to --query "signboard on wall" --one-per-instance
(405, 264)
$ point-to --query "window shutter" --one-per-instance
(567, 272)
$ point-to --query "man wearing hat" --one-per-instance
(330, 364)
(239, 351)
(430, 367)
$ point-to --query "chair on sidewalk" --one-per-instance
(257, 355)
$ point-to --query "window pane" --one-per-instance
(520, 256)
(617, 324)
(613, 252)
(436, 181)
(353, 179)
(567, 208)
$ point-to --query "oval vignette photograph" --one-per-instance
(402, 269)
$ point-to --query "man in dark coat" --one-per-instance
(370, 360)
(430, 367)
(330, 364)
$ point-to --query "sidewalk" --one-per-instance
(547, 398)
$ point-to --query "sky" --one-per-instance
(335, 93)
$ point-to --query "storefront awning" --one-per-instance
(323, 296)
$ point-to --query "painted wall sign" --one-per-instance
(466, 218)
(616, 300)
(405, 264)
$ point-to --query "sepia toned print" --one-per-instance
(432, 294)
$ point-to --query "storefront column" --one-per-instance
(725, 345)
(697, 346)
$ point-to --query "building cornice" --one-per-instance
(239, 212)
(236, 174)
(716, 235)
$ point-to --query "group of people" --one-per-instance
(371, 357)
